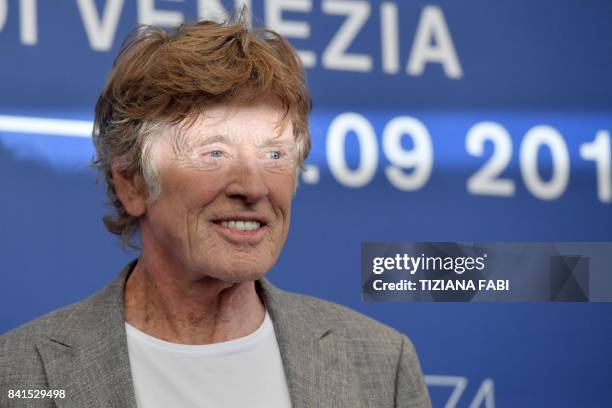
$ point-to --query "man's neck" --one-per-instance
(171, 307)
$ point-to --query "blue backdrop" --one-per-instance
(445, 121)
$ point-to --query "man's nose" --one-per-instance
(247, 180)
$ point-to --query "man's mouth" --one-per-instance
(242, 230)
(240, 225)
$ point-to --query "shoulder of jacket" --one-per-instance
(27, 334)
(344, 320)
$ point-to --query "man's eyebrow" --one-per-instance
(217, 138)
(274, 142)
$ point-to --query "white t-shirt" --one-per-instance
(245, 372)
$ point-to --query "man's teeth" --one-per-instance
(241, 225)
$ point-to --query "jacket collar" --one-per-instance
(87, 354)
(318, 372)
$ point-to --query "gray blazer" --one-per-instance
(332, 356)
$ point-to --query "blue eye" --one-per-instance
(216, 153)
(274, 155)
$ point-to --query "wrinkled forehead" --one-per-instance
(236, 123)
(253, 122)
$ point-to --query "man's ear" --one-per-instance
(131, 191)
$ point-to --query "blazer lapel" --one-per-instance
(317, 371)
(88, 355)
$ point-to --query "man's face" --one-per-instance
(227, 183)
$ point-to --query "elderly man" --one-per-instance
(200, 135)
